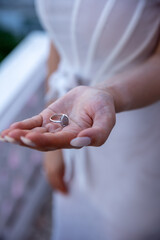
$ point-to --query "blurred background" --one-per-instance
(17, 19)
(25, 196)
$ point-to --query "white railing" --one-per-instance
(21, 73)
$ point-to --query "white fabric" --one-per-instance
(121, 179)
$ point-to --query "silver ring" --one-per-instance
(63, 119)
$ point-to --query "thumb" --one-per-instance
(103, 122)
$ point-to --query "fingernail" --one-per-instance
(2, 139)
(10, 139)
(28, 142)
(80, 141)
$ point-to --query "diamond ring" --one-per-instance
(63, 119)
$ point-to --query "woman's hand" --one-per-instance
(91, 113)
(55, 170)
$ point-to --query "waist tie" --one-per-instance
(62, 81)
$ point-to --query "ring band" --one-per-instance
(63, 119)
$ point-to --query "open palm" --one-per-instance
(91, 118)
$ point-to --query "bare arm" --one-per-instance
(53, 61)
(136, 88)
(86, 105)
(53, 163)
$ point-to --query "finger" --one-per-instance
(40, 129)
(29, 123)
(5, 132)
(55, 169)
(49, 141)
(53, 127)
(103, 122)
(15, 135)
(58, 183)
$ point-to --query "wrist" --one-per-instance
(116, 94)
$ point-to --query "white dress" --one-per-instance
(115, 188)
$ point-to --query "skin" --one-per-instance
(92, 110)
(55, 169)
(85, 120)
(53, 160)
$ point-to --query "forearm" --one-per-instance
(52, 63)
(136, 88)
